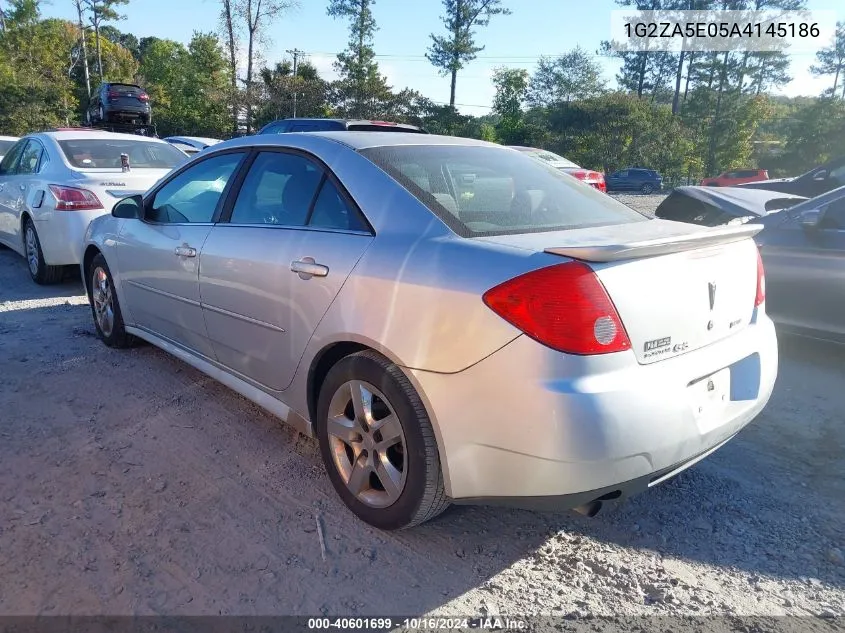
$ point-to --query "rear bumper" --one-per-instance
(62, 233)
(531, 422)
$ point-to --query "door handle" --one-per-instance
(185, 251)
(307, 268)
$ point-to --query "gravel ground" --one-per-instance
(132, 484)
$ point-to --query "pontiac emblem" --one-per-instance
(711, 287)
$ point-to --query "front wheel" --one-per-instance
(647, 188)
(378, 444)
(40, 271)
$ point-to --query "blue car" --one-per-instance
(635, 179)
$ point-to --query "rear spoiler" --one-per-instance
(673, 242)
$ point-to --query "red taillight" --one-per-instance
(761, 281)
(73, 199)
(580, 174)
(144, 96)
(564, 306)
(112, 95)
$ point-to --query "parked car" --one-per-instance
(53, 183)
(6, 143)
(188, 150)
(635, 179)
(736, 177)
(803, 249)
(815, 182)
(588, 176)
(327, 125)
(198, 143)
(117, 103)
(727, 205)
(527, 344)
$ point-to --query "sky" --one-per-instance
(535, 28)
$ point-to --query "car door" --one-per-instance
(271, 269)
(805, 271)
(616, 180)
(9, 219)
(30, 194)
(158, 256)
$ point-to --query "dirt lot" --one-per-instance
(132, 484)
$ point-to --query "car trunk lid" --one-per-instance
(120, 184)
(676, 287)
(126, 96)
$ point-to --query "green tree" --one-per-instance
(831, 59)
(102, 11)
(361, 91)
(279, 87)
(36, 89)
(451, 52)
(511, 92)
(126, 40)
(571, 76)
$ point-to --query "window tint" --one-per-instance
(479, 190)
(5, 146)
(276, 128)
(105, 154)
(332, 212)
(838, 174)
(621, 174)
(834, 216)
(30, 157)
(194, 194)
(10, 160)
(278, 190)
(308, 127)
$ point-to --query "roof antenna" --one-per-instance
(124, 163)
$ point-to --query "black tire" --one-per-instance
(117, 337)
(647, 188)
(423, 496)
(146, 119)
(39, 270)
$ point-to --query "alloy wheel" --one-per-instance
(367, 444)
(32, 250)
(103, 299)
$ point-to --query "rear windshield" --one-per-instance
(483, 190)
(105, 154)
(5, 146)
(553, 159)
(370, 127)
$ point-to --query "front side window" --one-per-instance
(105, 153)
(482, 190)
(278, 190)
(30, 158)
(194, 195)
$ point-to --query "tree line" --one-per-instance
(686, 114)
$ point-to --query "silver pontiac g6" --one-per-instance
(452, 320)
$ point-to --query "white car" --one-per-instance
(199, 143)
(52, 184)
(6, 143)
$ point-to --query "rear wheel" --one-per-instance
(39, 270)
(378, 444)
(647, 188)
(105, 308)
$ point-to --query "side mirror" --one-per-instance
(810, 219)
(820, 176)
(131, 208)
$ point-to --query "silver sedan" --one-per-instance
(452, 320)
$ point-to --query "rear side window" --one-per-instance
(369, 127)
(10, 160)
(483, 190)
